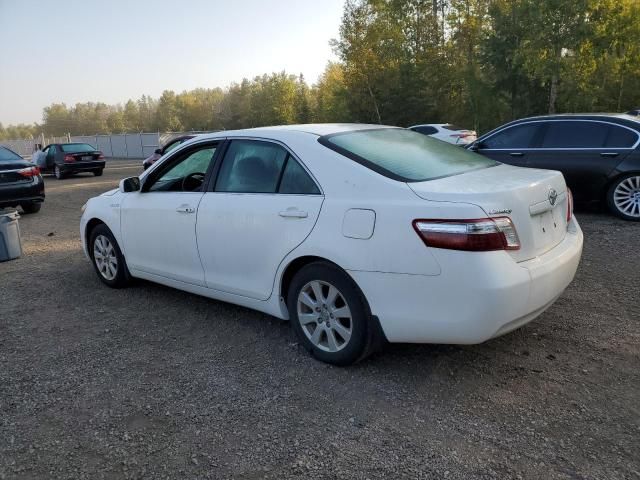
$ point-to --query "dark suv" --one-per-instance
(598, 154)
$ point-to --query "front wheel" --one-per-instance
(107, 258)
(329, 314)
(624, 197)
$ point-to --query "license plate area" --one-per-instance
(86, 158)
(549, 230)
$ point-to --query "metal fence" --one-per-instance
(125, 145)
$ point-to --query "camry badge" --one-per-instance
(553, 196)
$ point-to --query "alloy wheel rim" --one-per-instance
(324, 316)
(626, 196)
(104, 255)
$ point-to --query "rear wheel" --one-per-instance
(624, 197)
(31, 207)
(98, 173)
(107, 258)
(58, 173)
(329, 314)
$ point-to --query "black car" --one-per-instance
(64, 159)
(20, 182)
(598, 154)
(175, 142)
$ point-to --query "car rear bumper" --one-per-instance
(477, 296)
(81, 166)
(13, 194)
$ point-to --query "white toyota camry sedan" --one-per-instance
(357, 234)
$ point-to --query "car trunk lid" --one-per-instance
(535, 200)
(9, 171)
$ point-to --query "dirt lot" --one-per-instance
(149, 382)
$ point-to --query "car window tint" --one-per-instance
(405, 155)
(621, 137)
(195, 162)
(77, 147)
(518, 136)
(52, 150)
(251, 166)
(425, 130)
(296, 180)
(575, 134)
(6, 155)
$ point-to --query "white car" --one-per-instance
(447, 133)
(355, 233)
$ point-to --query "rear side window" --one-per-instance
(404, 154)
(77, 147)
(295, 180)
(8, 155)
(251, 166)
(575, 135)
(621, 137)
(425, 130)
(518, 136)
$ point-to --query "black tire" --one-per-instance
(121, 278)
(361, 341)
(58, 173)
(31, 207)
(616, 197)
(98, 173)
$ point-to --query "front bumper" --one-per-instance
(475, 298)
(13, 194)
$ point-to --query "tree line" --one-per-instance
(477, 63)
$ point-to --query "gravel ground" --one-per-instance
(150, 382)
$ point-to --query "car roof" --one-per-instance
(581, 116)
(318, 129)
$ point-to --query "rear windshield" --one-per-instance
(77, 148)
(404, 154)
(8, 155)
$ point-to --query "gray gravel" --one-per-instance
(150, 382)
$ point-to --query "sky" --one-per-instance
(111, 50)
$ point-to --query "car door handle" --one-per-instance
(609, 154)
(185, 209)
(293, 213)
(516, 154)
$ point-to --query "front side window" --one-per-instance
(405, 155)
(574, 134)
(518, 136)
(187, 174)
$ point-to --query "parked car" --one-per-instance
(20, 182)
(635, 112)
(355, 233)
(63, 159)
(174, 142)
(599, 155)
(447, 133)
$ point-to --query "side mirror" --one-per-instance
(474, 147)
(131, 184)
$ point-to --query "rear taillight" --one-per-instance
(29, 172)
(69, 159)
(101, 156)
(569, 205)
(479, 235)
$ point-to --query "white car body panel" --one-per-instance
(446, 135)
(362, 222)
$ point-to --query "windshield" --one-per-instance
(7, 155)
(77, 148)
(405, 155)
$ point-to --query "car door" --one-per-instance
(263, 204)
(512, 145)
(51, 156)
(158, 223)
(585, 151)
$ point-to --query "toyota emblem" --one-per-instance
(553, 196)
